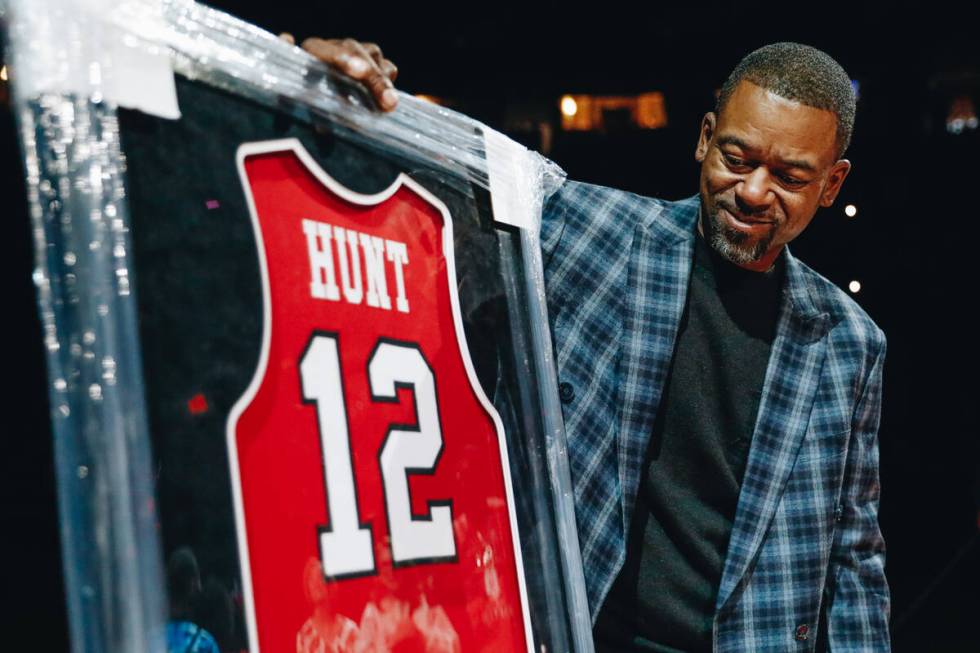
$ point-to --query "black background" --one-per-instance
(911, 246)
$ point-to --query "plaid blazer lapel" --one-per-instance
(788, 393)
(659, 269)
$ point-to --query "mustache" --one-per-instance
(758, 216)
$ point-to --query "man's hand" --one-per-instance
(361, 61)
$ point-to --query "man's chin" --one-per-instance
(734, 253)
(736, 246)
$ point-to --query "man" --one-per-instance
(721, 399)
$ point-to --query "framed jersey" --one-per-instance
(299, 358)
(375, 383)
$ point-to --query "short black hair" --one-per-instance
(801, 73)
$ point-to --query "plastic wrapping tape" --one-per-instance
(512, 181)
(80, 47)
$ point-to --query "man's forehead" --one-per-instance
(758, 119)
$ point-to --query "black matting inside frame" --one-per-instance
(200, 305)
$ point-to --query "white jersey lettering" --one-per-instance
(370, 286)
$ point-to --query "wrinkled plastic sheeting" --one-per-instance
(103, 41)
(72, 63)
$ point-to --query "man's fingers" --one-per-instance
(356, 60)
(381, 89)
(373, 50)
(377, 78)
(340, 55)
(389, 69)
(288, 38)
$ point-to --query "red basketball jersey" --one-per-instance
(370, 472)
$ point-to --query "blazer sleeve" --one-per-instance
(859, 603)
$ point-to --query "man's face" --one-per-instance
(767, 164)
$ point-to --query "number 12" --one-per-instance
(346, 547)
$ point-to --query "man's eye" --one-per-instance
(733, 161)
(792, 181)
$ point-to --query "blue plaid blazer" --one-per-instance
(805, 536)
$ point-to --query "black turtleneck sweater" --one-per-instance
(664, 598)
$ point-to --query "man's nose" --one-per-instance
(754, 192)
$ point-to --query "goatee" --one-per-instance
(733, 245)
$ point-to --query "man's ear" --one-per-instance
(704, 140)
(834, 181)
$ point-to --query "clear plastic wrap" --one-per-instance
(79, 213)
(75, 65)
